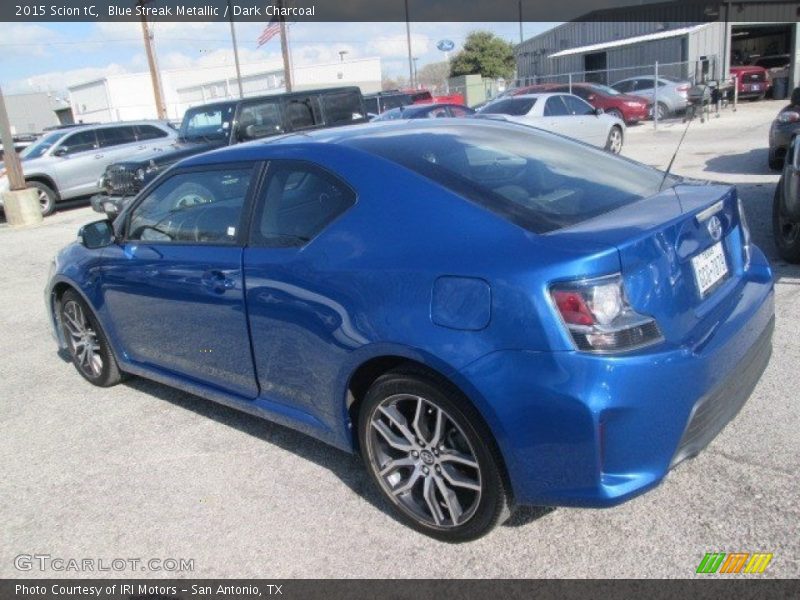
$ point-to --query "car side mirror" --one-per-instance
(61, 151)
(98, 234)
(599, 111)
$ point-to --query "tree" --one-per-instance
(434, 75)
(393, 83)
(484, 54)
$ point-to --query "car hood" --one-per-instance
(172, 153)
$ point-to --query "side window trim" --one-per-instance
(259, 200)
(253, 190)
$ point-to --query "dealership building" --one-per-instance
(130, 96)
(707, 37)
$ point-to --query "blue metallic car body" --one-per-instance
(415, 271)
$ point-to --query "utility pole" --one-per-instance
(408, 39)
(520, 20)
(235, 51)
(287, 68)
(158, 93)
(13, 167)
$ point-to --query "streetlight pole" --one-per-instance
(235, 51)
(158, 93)
(408, 40)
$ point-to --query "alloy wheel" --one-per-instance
(44, 200)
(82, 339)
(615, 141)
(424, 461)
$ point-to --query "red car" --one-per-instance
(630, 109)
(753, 81)
(425, 97)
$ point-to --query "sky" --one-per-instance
(52, 56)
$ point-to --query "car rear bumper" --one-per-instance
(578, 429)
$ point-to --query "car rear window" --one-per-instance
(515, 107)
(539, 181)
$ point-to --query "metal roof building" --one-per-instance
(598, 48)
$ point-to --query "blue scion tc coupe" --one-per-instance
(492, 315)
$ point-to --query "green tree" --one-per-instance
(484, 54)
(434, 75)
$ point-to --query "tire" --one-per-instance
(614, 140)
(47, 197)
(785, 233)
(775, 163)
(614, 112)
(663, 111)
(80, 327)
(453, 486)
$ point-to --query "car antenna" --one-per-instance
(674, 156)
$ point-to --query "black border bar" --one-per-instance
(708, 586)
(475, 11)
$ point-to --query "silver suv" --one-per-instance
(68, 163)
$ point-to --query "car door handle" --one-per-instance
(98, 156)
(217, 281)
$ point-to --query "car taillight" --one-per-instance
(683, 88)
(599, 318)
(746, 250)
(789, 116)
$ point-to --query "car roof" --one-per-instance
(342, 136)
(88, 126)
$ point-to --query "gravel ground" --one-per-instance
(141, 470)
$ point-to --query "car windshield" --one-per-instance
(539, 181)
(390, 115)
(604, 89)
(207, 124)
(509, 106)
(42, 145)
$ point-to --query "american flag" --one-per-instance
(270, 31)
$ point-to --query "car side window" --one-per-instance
(643, 84)
(115, 136)
(624, 86)
(458, 111)
(148, 132)
(260, 120)
(576, 106)
(439, 111)
(301, 113)
(555, 107)
(299, 201)
(196, 207)
(342, 107)
(81, 141)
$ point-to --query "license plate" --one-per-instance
(755, 87)
(709, 268)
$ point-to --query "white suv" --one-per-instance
(68, 163)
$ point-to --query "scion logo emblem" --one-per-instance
(715, 228)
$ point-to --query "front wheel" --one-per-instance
(47, 197)
(86, 342)
(785, 231)
(432, 457)
(614, 141)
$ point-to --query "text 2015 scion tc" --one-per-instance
(490, 314)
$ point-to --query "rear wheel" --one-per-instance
(432, 457)
(785, 231)
(614, 141)
(662, 111)
(86, 342)
(47, 197)
(775, 160)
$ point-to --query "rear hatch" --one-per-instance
(681, 255)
